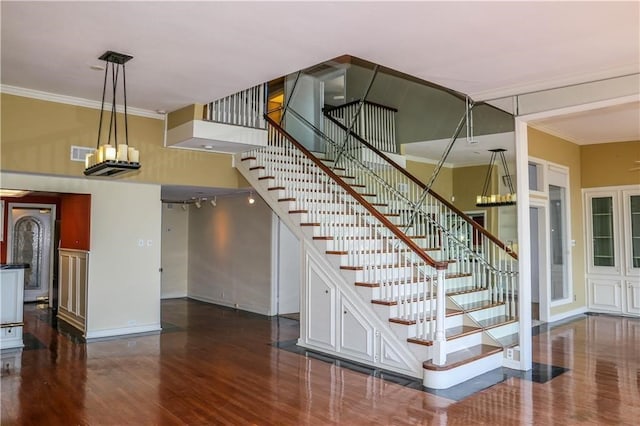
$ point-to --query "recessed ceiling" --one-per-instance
(181, 193)
(618, 123)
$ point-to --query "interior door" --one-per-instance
(31, 243)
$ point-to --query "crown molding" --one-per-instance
(71, 100)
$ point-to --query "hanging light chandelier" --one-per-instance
(113, 158)
(497, 200)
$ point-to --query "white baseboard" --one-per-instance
(563, 315)
(207, 299)
(118, 332)
(173, 295)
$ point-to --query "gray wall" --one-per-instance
(230, 254)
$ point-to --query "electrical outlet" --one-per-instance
(510, 353)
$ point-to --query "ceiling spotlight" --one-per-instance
(213, 201)
(251, 199)
(184, 206)
(198, 203)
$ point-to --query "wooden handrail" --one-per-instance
(414, 179)
(334, 108)
(374, 212)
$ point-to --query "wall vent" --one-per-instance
(79, 153)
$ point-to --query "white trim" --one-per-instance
(563, 315)
(116, 332)
(274, 309)
(543, 256)
(174, 295)
(72, 100)
(229, 304)
(524, 250)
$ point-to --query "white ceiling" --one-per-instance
(463, 153)
(186, 52)
(195, 52)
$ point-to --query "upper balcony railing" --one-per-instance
(376, 123)
(246, 108)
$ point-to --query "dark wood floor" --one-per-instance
(218, 366)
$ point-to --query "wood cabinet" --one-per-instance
(612, 217)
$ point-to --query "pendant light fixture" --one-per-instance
(113, 158)
(497, 200)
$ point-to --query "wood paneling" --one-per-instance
(218, 366)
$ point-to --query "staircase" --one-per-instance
(393, 276)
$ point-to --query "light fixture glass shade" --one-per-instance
(112, 159)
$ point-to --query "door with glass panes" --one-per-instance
(613, 249)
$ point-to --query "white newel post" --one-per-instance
(440, 342)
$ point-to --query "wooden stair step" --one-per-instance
(413, 280)
(496, 321)
(509, 341)
(462, 357)
(450, 333)
(477, 306)
(448, 312)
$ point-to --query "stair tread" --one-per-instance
(476, 306)
(496, 321)
(509, 340)
(462, 357)
(448, 312)
(422, 296)
(450, 334)
(414, 280)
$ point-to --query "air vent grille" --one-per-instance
(79, 153)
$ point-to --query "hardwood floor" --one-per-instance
(218, 366)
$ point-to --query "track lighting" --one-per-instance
(198, 203)
(213, 201)
(251, 199)
(184, 206)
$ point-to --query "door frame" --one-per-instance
(542, 205)
(52, 249)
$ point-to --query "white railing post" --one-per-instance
(440, 341)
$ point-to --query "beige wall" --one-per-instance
(467, 185)
(608, 164)
(36, 137)
(230, 253)
(124, 278)
(565, 153)
(175, 251)
(423, 171)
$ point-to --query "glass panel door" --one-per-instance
(558, 242)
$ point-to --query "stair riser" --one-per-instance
(505, 330)
(487, 313)
(476, 296)
(375, 275)
(390, 291)
(411, 331)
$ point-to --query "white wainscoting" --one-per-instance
(72, 287)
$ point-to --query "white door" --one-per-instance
(30, 242)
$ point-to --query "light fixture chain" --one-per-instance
(485, 189)
(124, 86)
(104, 90)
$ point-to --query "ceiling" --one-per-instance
(196, 52)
